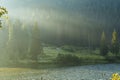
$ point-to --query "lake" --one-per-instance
(90, 72)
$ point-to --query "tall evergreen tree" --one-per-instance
(103, 45)
(115, 43)
(17, 43)
(12, 43)
(36, 47)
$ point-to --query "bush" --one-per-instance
(104, 50)
(67, 59)
(69, 48)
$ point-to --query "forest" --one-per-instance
(29, 43)
(59, 40)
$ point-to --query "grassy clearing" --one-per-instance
(13, 69)
(46, 62)
(49, 58)
(87, 56)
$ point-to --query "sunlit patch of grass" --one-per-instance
(84, 55)
(13, 69)
(90, 56)
(20, 73)
(17, 71)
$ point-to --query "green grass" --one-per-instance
(48, 59)
(20, 73)
(87, 56)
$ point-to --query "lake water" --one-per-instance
(91, 72)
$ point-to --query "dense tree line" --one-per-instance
(23, 42)
(114, 45)
(77, 36)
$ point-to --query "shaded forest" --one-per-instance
(53, 25)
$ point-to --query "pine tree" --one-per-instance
(10, 46)
(115, 43)
(36, 47)
(103, 45)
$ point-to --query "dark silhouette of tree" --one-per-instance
(36, 47)
(115, 43)
(103, 45)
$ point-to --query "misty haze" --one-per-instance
(59, 39)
